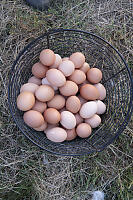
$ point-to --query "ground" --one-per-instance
(26, 172)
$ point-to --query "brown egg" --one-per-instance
(71, 134)
(55, 77)
(101, 90)
(78, 59)
(42, 127)
(83, 130)
(33, 118)
(79, 119)
(44, 93)
(65, 58)
(35, 80)
(94, 75)
(57, 62)
(58, 102)
(73, 104)
(25, 101)
(39, 70)
(47, 57)
(89, 92)
(78, 77)
(70, 88)
(39, 106)
(29, 87)
(85, 67)
(52, 116)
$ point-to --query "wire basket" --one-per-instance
(116, 79)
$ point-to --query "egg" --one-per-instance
(45, 82)
(101, 107)
(44, 93)
(33, 118)
(70, 88)
(52, 116)
(39, 106)
(42, 127)
(35, 80)
(85, 67)
(47, 57)
(65, 58)
(67, 67)
(89, 92)
(83, 130)
(73, 104)
(68, 120)
(78, 59)
(39, 70)
(88, 109)
(50, 126)
(94, 121)
(101, 90)
(94, 75)
(78, 77)
(56, 134)
(25, 101)
(58, 102)
(71, 134)
(57, 62)
(56, 77)
(79, 119)
(29, 87)
(82, 100)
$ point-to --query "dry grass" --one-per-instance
(29, 173)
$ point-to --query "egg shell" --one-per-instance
(45, 82)
(39, 70)
(83, 130)
(88, 109)
(101, 107)
(85, 67)
(101, 90)
(67, 67)
(71, 134)
(56, 134)
(42, 127)
(57, 62)
(70, 88)
(25, 101)
(58, 102)
(65, 58)
(56, 77)
(47, 57)
(50, 126)
(78, 76)
(94, 75)
(39, 106)
(44, 93)
(33, 118)
(35, 80)
(78, 59)
(68, 120)
(94, 121)
(79, 119)
(73, 104)
(52, 116)
(29, 87)
(89, 92)
(82, 100)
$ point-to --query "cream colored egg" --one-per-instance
(94, 121)
(68, 120)
(45, 82)
(79, 119)
(47, 57)
(78, 77)
(85, 67)
(42, 127)
(35, 80)
(83, 130)
(88, 109)
(71, 134)
(101, 90)
(39, 70)
(33, 118)
(56, 77)
(29, 87)
(56, 134)
(58, 102)
(101, 107)
(52, 116)
(73, 104)
(70, 88)
(39, 106)
(65, 58)
(94, 75)
(50, 126)
(44, 93)
(67, 67)
(57, 62)
(25, 101)
(78, 59)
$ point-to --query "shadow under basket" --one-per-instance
(116, 79)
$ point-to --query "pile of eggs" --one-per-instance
(63, 98)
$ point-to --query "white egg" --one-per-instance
(94, 121)
(101, 107)
(45, 82)
(68, 120)
(88, 109)
(56, 134)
